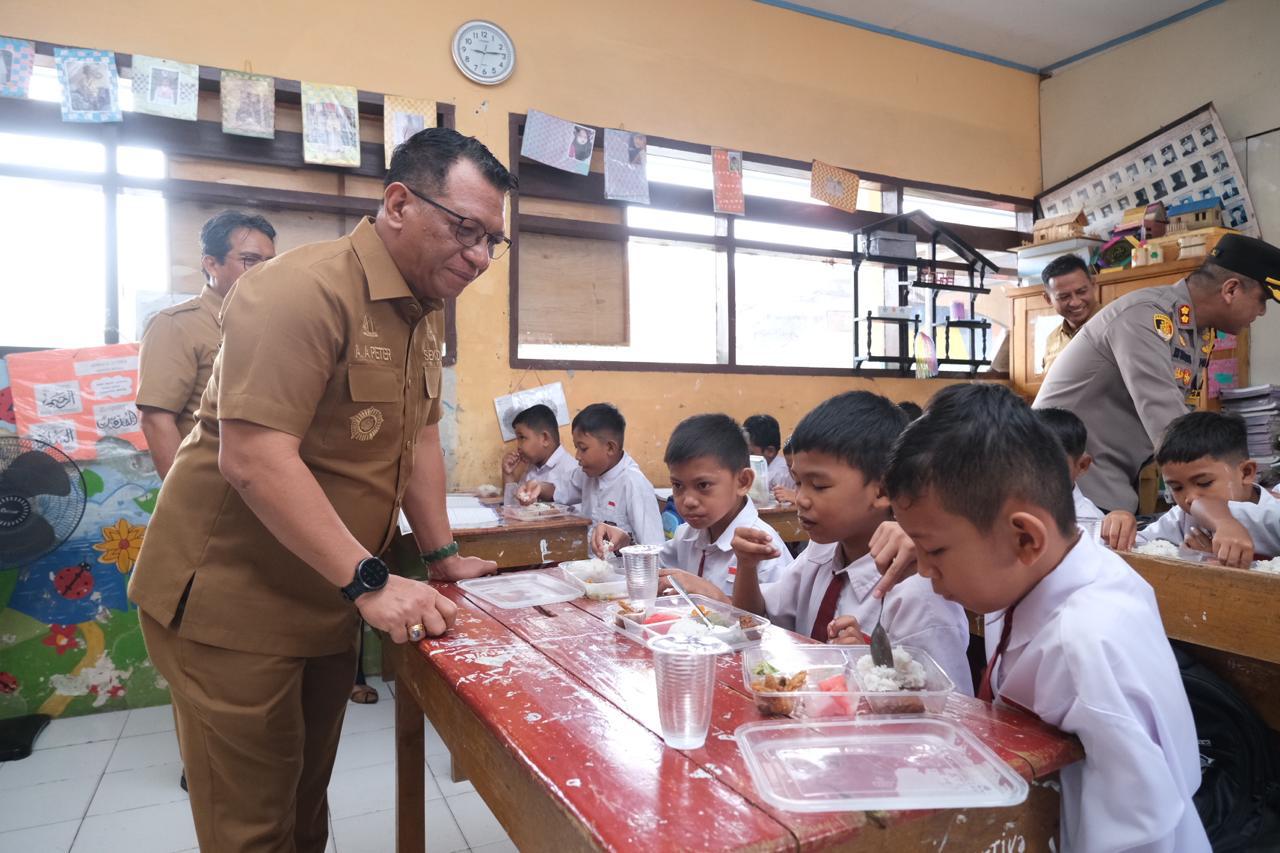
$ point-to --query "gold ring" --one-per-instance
(417, 632)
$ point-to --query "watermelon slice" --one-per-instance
(837, 685)
(660, 616)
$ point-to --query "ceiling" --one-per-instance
(1033, 35)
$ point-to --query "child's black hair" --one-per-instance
(913, 410)
(1070, 431)
(856, 427)
(1199, 434)
(602, 420)
(715, 436)
(763, 431)
(975, 447)
(538, 418)
(787, 447)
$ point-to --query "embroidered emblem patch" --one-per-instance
(1182, 341)
(365, 424)
(1182, 374)
(1163, 326)
(1184, 314)
(368, 328)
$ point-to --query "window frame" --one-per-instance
(540, 181)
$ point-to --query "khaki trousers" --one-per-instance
(258, 735)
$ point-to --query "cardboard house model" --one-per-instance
(1143, 222)
(1192, 215)
(1068, 226)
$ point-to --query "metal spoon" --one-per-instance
(881, 650)
(675, 584)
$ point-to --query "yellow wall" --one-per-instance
(724, 72)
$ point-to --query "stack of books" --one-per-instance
(1259, 406)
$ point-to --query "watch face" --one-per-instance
(484, 52)
(373, 573)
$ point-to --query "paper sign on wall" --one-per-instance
(726, 189)
(626, 175)
(837, 187)
(163, 87)
(557, 142)
(509, 405)
(402, 118)
(330, 125)
(248, 104)
(90, 85)
(17, 58)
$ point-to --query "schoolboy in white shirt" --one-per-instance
(616, 495)
(764, 438)
(710, 478)
(841, 450)
(1073, 435)
(1073, 634)
(548, 468)
(1219, 506)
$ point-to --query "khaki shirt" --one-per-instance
(326, 343)
(1057, 341)
(177, 357)
(1134, 367)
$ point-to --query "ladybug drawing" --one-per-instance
(74, 582)
(8, 684)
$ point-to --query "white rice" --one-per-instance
(905, 674)
(1157, 548)
(1269, 566)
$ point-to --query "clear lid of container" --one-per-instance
(536, 512)
(896, 762)
(643, 620)
(703, 645)
(520, 589)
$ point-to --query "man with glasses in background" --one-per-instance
(180, 342)
(319, 425)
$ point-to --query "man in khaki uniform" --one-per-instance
(1071, 289)
(1139, 363)
(180, 342)
(318, 425)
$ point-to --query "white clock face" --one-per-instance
(484, 52)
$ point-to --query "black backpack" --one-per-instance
(1239, 795)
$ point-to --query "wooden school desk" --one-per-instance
(781, 517)
(513, 544)
(551, 715)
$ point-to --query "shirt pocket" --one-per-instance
(369, 421)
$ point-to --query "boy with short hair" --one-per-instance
(710, 479)
(548, 467)
(1219, 506)
(841, 450)
(1074, 636)
(764, 438)
(616, 495)
(1073, 436)
(784, 494)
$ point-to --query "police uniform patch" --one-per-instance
(1182, 374)
(1163, 326)
(1182, 340)
(1184, 314)
(365, 424)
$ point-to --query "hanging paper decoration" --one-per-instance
(17, 57)
(926, 357)
(248, 104)
(557, 142)
(163, 87)
(402, 118)
(726, 189)
(626, 176)
(837, 187)
(89, 85)
(330, 125)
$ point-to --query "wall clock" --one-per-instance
(484, 52)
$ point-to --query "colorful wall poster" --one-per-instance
(726, 189)
(1222, 374)
(80, 400)
(90, 85)
(248, 104)
(626, 176)
(557, 142)
(17, 58)
(163, 87)
(403, 117)
(330, 125)
(837, 187)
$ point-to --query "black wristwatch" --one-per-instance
(371, 576)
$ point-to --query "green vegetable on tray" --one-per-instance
(765, 668)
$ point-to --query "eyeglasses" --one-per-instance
(468, 231)
(250, 261)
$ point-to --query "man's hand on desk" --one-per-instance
(403, 603)
(460, 568)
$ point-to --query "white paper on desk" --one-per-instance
(510, 405)
(480, 516)
(461, 501)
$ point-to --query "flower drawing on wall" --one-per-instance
(120, 544)
(61, 638)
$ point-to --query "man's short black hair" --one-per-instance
(913, 410)
(1070, 431)
(215, 236)
(423, 160)
(538, 418)
(716, 436)
(977, 446)
(602, 420)
(856, 427)
(1064, 265)
(1199, 434)
(763, 431)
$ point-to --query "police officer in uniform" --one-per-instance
(1139, 362)
(180, 342)
(319, 424)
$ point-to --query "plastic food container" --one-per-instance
(535, 512)
(520, 589)
(597, 579)
(875, 762)
(669, 615)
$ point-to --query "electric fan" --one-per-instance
(42, 499)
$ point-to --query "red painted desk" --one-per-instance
(553, 719)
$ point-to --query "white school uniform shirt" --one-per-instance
(691, 550)
(1261, 520)
(1087, 653)
(623, 497)
(914, 614)
(780, 474)
(1086, 510)
(558, 470)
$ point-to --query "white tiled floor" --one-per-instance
(109, 782)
